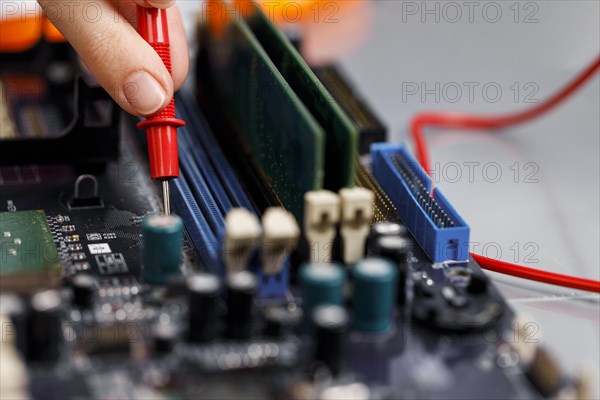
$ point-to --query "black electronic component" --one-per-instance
(83, 287)
(91, 138)
(203, 307)
(44, 327)
(13, 307)
(282, 322)
(165, 337)
(449, 305)
(81, 201)
(331, 326)
(241, 289)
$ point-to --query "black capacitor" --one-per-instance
(83, 287)
(383, 229)
(203, 307)
(282, 322)
(396, 249)
(331, 327)
(13, 307)
(241, 289)
(44, 331)
(165, 336)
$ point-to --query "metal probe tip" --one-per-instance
(166, 202)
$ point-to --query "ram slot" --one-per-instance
(206, 144)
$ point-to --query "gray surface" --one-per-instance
(559, 214)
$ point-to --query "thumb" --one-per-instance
(123, 63)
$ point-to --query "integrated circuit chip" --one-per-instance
(28, 259)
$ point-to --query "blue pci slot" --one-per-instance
(434, 222)
(206, 191)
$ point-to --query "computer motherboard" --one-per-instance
(308, 258)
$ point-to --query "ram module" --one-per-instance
(285, 139)
(341, 138)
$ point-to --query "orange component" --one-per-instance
(19, 33)
(305, 11)
(51, 34)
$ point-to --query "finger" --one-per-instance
(155, 3)
(122, 62)
(180, 55)
(180, 59)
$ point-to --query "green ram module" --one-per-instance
(341, 142)
(285, 139)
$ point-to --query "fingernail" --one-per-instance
(161, 3)
(144, 93)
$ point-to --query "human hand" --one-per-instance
(128, 68)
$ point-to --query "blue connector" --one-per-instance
(434, 222)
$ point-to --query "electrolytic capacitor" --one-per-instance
(374, 294)
(331, 326)
(203, 307)
(281, 322)
(165, 336)
(241, 289)
(396, 249)
(83, 287)
(321, 284)
(383, 229)
(44, 328)
(163, 242)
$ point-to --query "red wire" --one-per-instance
(537, 275)
(470, 122)
(466, 121)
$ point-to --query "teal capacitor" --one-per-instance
(163, 244)
(321, 284)
(375, 282)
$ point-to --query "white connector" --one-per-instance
(357, 213)
(280, 237)
(321, 216)
(242, 233)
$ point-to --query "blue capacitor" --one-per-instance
(374, 294)
(163, 243)
(321, 284)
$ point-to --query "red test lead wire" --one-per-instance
(161, 129)
(471, 122)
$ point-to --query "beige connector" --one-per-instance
(321, 216)
(280, 237)
(357, 212)
(242, 232)
(13, 373)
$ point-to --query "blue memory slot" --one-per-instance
(205, 168)
(197, 225)
(204, 137)
(434, 222)
(206, 190)
(202, 191)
